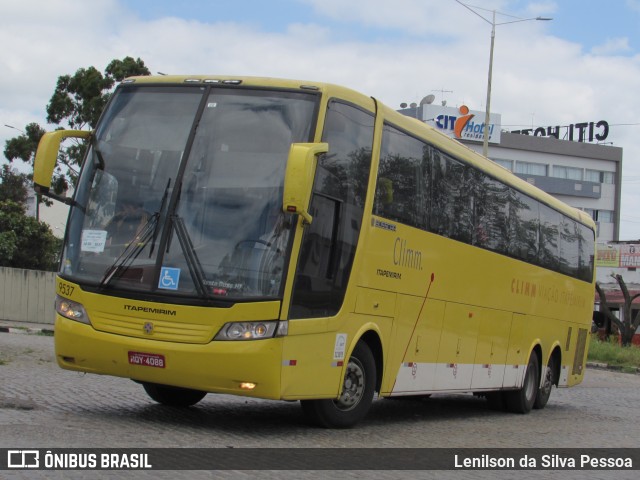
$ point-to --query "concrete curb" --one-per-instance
(613, 368)
(27, 330)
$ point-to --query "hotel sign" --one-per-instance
(462, 123)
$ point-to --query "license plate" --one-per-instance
(147, 359)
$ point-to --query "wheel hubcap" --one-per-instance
(353, 387)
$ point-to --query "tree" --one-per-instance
(24, 241)
(628, 322)
(13, 186)
(76, 103)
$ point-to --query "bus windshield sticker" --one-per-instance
(339, 349)
(93, 241)
(169, 278)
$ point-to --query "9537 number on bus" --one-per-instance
(147, 359)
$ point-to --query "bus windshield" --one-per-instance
(181, 192)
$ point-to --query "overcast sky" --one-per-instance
(582, 66)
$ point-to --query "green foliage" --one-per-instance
(8, 245)
(78, 100)
(25, 242)
(612, 353)
(118, 70)
(13, 186)
(24, 146)
(77, 103)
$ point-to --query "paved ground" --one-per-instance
(42, 406)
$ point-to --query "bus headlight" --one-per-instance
(248, 330)
(71, 310)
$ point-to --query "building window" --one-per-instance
(508, 164)
(605, 216)
(591, 212)
(569, 173)
(600, 177)
(527, 168)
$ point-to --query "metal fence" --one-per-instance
(27, 295)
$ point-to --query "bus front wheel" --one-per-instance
(355, 397)
(522, 400)
(173, 396)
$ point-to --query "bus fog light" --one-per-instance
(71, 310)
(247, 330)
(247, 385)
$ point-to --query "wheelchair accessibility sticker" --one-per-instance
(169, 278)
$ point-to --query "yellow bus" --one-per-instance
(297, 240)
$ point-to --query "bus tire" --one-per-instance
(355, 397)
(522, 400)
(547, 383)
(173, 396)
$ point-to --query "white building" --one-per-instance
(55, 215)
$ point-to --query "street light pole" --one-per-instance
(485, 137)
(492, 22)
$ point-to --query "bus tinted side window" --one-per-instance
(452, 197)
(549, 253)
(491, 214)
(340, 188)
(401, 193)
(421, 186)
(523, 214)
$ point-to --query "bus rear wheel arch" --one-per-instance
(356, 393)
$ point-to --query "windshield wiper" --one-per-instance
(148, 232)
(193, 262)
(131, 252)
(159, 212)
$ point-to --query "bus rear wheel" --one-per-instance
(547, 383)
(173, 396)
(522, 400)
(355, 397)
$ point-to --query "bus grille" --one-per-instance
(163, 330)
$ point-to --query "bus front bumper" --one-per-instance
(219, 366)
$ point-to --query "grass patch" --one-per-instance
(611, 353)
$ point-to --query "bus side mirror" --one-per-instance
(47, 156)
(298, 177)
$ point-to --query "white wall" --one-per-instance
(27, 295)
